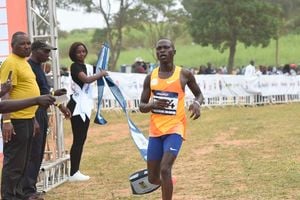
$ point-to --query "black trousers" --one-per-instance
(16, 156)
(79, 130)
(37, 153)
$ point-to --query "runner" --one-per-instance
(163, 95)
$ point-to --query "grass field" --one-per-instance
(192, 55)
(239, 153)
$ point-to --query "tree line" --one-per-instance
(220, 24)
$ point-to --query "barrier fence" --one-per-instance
(218, 90)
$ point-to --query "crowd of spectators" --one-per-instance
(250, 69)
(140, 66)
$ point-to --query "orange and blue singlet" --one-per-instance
(167, 126)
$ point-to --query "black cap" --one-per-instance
(38, 44)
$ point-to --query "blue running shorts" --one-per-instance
(159, 145)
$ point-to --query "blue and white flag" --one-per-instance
(102, 62)
(138, 137)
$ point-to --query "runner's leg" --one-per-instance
(154, 156)
(171, 145)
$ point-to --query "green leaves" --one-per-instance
(223, 23)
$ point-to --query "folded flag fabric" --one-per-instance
(139, 180)
(138, 137)
(102, 63)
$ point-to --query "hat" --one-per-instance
(38, 44)
(139, 59)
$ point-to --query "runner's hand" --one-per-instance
(194, 108)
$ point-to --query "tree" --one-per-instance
(163, 18)
(223, 23)
(290, 20)
(131, 14)
(114, 21)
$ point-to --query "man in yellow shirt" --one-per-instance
(17, 127)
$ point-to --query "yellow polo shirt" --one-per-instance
(23, 81)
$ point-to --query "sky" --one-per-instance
(69, 20)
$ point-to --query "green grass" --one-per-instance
(231, 153)
(191, 55)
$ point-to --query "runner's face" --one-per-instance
(80, 54)
(165, 51)
(22, 47)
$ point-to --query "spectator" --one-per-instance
(17, 127)
(49, 74)
(209, 69)
(40, 54)
(80, 104)
(64, 71)
(286, 70)
(270, 70)
(139, 66)
(201, 69)
(293, 69)
(250, 69)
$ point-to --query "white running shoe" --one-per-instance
(78, 177)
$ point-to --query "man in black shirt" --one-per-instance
(40, 54)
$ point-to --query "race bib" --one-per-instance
(172, 98)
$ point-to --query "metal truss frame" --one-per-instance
(44, 26)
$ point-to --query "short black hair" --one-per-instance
(15, 36)
(72, 50)
(165, 38)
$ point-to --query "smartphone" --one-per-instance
(64, 90)
(9, 75)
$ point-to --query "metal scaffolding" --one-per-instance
(42, 24)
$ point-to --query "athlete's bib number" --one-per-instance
(171, 97)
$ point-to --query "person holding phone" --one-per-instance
(15, 105)
(18, 126)
(40, 52)
(6, 87)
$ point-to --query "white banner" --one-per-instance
(212, 86)
(131, 85)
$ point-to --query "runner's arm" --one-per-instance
(146, 106)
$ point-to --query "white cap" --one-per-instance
(139, 59)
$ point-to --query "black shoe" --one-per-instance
(35, 196)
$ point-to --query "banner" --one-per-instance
(13, 18)
(131, 85)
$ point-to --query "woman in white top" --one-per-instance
(80, 104)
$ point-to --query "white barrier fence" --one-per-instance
(218, 90)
